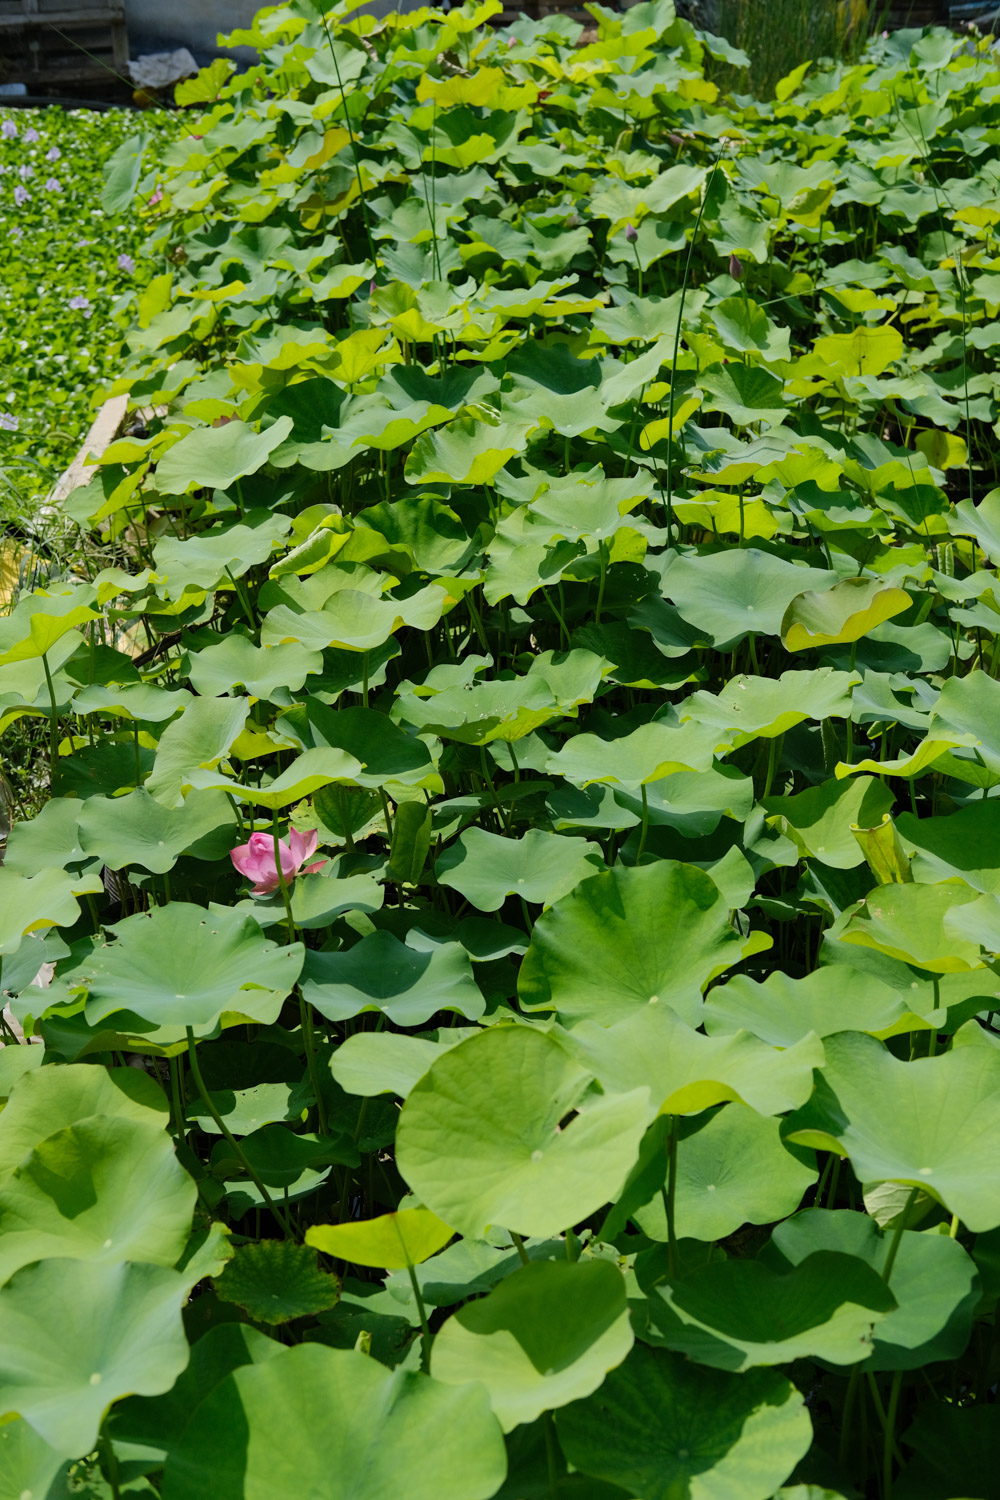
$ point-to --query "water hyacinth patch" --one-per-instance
(523, 757)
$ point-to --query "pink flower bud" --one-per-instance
(736, 268)
(255, 859)
(631, 233)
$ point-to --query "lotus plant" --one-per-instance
(256, 859)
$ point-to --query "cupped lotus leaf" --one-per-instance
(194, 744)
(745, 327)
(29, 903)
(818, 820)
(686, 1072)
(735, 1314)
(317, 899)
(508, 707)
(352, 620)
(751, 708)
(247, 1110)
(481, 1138)
(308, 773)
(180, 965)
(391, 1241)
(280, 1430)
(217, 669)
(547, 1335)
(662, 1428)
(732, 594)
(48, 1100)
(216, 457)
(782, 1010)
(934, 1282)
(733, 1171)
(746, 393)
(466, 451)
(105, 1188)
(627, 939)
(138, 830)
(932, 1124)
(865, 351)
(539, 867)
(918, 924)
(846, 612)
(583, 506)
(275, 1281)
(79, 1334)
(382, 974)
(644, 755)
(371, 1063)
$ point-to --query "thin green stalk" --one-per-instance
(354, 148)
(897, 1236)
(228, 1136)
(425, 1352)
(551, 1459)
(889, 1439)
(518, 1243)
(644, 826)
(53, 714)
(670, 1196)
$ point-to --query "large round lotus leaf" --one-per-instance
(818, 820)
(138, 830)
(79, 1334)
(651, 935)
(104, 1188)
(933, 1123)
(216, 457)
(508, 707)
(49, 1099)
(392, 1240)
(686, 1072)
(275, 1281)
(40, 620)
(483, 1137)
(47, 841)
(317, 1421)
(737, 592)
(192, 746)
(30, 902)
(910, 922)
(663, 1428)
(180, 965)
(383, 750)
(371, 1063)
(965, 844)
(733, 1171)
(546, 1336)
(237, 662)
(28, 1466)
(750, 708)
(934, 1282)
(846, 612)
(646, 754)
(540, 867)
(738, 1313)
(782, 1010)
(380, 973)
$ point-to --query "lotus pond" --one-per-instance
(511, 952)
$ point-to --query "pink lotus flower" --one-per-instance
(255, 859)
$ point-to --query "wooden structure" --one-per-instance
(49, 44)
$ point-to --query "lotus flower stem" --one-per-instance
(897, 1236)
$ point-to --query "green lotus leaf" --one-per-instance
(627, 939)
(317, 900)
(818, 820)
(352, 620)
(745, 327)
(466, 451)
(547, 1335)
(934, 1282)
(686, 1072)
(29, 903)
(206, 559)
(644, 755)
(865, 351)
(932, 1124)
(916, 923)
(507, 708)
(138, 830)
(583, 506)
(193, 745)
(480, 1139)
(217, 669)
(79, 1334)
(404, 1238)
(281, 1428)
(956, 1452)
(733, 1171)
(275, 1281)
(846, 612)
(216, 457)
(371, 1063)
(730, 595)
(382, 974)
(383, 750)
(539, 867)
(247, 1110)
(782, 1010)
(28, 1466)
(661, 1427)
(752, 707)
(309, 772)
(746, 393)
(964, 844)
(182, 966)
(104, 1188)
(735, 1314)
(46, 841)
(49, 1100)
(40, 620)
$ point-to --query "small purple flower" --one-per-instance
(81, 304)
(21, 196)
(8, 130)
(25, 172)
(736, 268)
(8, 421)
(631, 233)
(126, 263)
(31, 135)
(53, 153)
(53, 185)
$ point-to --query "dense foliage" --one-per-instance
(524, 793)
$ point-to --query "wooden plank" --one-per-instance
(103, 431)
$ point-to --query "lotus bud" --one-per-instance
(736, 268)
(631, 233)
